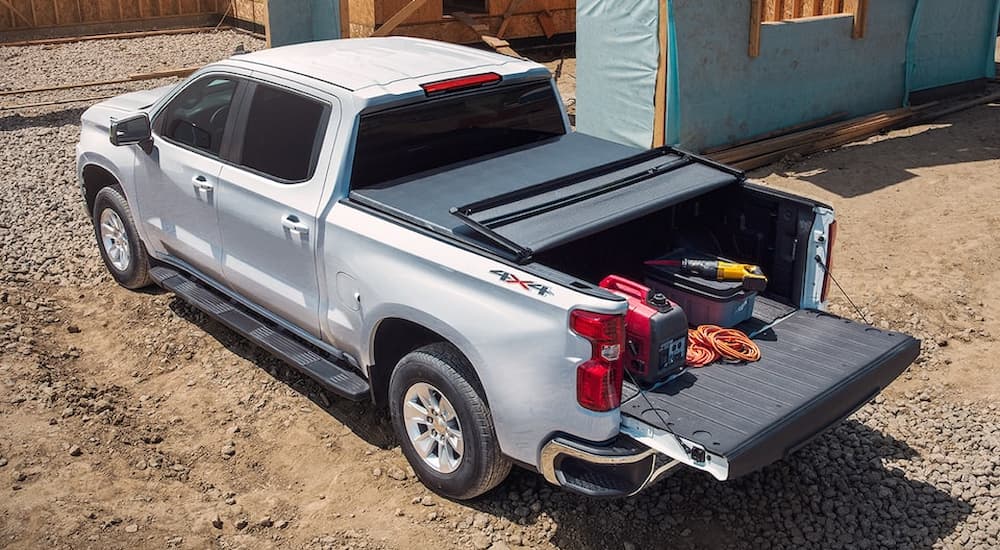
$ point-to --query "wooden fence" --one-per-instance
(73, 17)
(772, 11)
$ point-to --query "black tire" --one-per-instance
(482, 466)
(135, 274)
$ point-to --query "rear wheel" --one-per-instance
(123, 253)
(443, 424)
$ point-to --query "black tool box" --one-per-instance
(706, 302)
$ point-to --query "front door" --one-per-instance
(269, 200)
(179, 178)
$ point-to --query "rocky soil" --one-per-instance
(130, 420)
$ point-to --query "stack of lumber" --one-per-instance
(770, 148)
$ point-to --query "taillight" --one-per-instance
(599, 379)
(461, 83)
(831, 236)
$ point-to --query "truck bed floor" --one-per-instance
(815, 370)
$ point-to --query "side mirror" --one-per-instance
(131, 130)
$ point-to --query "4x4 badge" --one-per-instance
(510, 278)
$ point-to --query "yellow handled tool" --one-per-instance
(751, 276)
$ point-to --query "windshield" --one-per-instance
(403, 141)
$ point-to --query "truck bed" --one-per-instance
(815, 370)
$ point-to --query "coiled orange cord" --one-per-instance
(709, 343)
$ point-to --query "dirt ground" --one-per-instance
(128, 420)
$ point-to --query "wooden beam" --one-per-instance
(660, 97)
(779, 10)
(345, 18)
(267, 23)
(50, 103)
(507, 14)
(399, 17)
(546, 23)
(16, 12)
(797, 6)
(860, 19)
(467, 20)
(836, 117)
(756, 18)
(72, 39)
(817, 7)
(131, 78)
(498, 44)
(34, 16)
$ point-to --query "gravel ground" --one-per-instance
(132, 421)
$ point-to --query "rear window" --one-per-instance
(403, 141)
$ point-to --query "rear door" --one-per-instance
(269, 200)
(815, 370)
(179, 178)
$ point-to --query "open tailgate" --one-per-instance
(730, 420)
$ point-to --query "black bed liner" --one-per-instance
(815, 370)
(539, 197)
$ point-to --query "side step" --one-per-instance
(334, 378)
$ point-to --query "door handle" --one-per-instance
(201, 183)
(291, 222)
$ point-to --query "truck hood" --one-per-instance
(133, 102)
(100, 115)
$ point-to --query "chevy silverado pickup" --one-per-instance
(414, 223)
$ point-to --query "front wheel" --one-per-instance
(443, 424)
(123, 253)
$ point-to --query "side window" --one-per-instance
(197, 116)
(283, 134)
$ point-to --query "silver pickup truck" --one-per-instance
(414, 223)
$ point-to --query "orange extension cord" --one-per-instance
(709, 343)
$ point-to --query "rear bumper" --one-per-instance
(622, 467)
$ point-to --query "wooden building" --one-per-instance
(462, 21)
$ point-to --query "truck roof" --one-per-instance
(360, 63)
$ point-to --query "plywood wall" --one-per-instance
(499, 7)
(247, 10)
(430, 11)
(362, 17)
(780, 10)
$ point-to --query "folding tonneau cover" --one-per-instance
(539, 197)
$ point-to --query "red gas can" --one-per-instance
(656, 331)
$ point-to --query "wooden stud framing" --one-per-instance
(511, 8)
(400, 16)
(860, 19)
(14, 11)
(756, 19)
(660, 99)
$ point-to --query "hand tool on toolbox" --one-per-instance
(751, 276)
